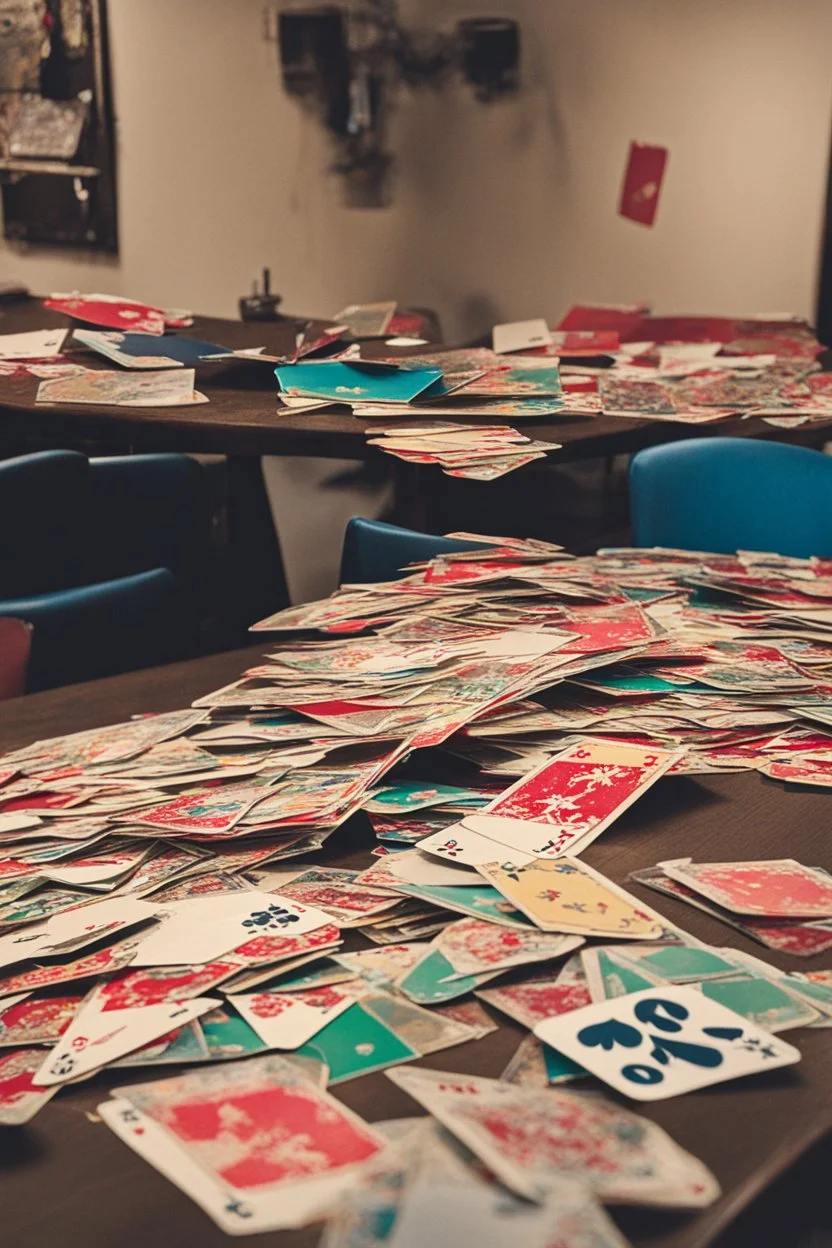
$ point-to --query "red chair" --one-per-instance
(15, 647)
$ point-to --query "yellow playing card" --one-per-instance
(565, 895)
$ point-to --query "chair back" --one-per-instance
(15, 647)
(374, 551)
(727, 494)
(42, 522)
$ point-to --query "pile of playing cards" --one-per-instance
(477, 453)
(685, 369)
(489, 716)
(463, 382)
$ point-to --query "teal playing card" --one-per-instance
(608, 978)
(423, 982)
(414, 795)
(481, 901)
(680, 964)
(356, 1043)
(324, 972)
(761, 1001)
(228, 1035)
(355, 383)
(559, 1068)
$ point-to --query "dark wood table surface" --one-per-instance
(241, 420)
(65, 1179)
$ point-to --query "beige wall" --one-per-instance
(500, 212)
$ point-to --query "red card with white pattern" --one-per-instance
(773, 888)
(568, 801)
(109, 312)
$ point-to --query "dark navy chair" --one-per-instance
(374, 551)
(103, 559)
(727, 494)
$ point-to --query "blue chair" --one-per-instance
(374, 551)
(103, 558)
(727, 494)
(102, 630)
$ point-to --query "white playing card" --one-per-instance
(285, 1020)
(664, 1041)
(201, 929)
(520, 336)
(74, 928)
(18, 823)
(290, 1208)
(460, 843)
(98, 1035)
(415, 868)
(98, 918)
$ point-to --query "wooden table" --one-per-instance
(240, 419)
(66, 1180)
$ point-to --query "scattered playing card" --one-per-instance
(520, 336)
(97, 1036)
(775, 888)
(531, 1137)
(566, 895)
(20, 1097)
(662, 1042)
(288, 1020)
(569, 801)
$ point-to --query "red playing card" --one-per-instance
(37, 1021)
(20, 1100)
(257, 1133)
(164, 984)
(99, 963)
(643, 183)
(578, 793)
(627, 320)
(775, 888)
(615, 629)
(265, 949)
(110, 313)
(534, 1000)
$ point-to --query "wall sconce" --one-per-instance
(346, 65)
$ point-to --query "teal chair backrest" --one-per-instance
(374, 551)
(727, 494)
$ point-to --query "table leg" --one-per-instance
(258, 581)
(411, 496)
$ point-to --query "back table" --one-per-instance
(66, 1179)
(241, 420)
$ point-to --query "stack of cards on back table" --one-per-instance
(696, 369)
(477, 453)
(367, 320)
(411, 392)
(779, 902)
(151, 388)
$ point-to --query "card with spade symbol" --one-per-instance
(664, 1041)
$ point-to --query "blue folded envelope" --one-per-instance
(354, 383)
(188, 351)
